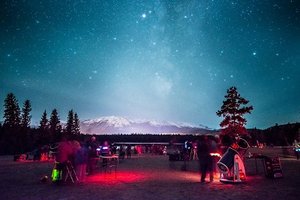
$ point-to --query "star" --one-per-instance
(166, 46)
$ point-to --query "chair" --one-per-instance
(109, 163)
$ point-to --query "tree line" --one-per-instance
(17, 136)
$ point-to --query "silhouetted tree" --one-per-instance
(70, 123)
(24, 138)
(233, 110)
(55, 126)
(44, 135)
(76, 125)
(44, 122)
(11, 111)
(26, 117)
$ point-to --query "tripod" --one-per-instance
(71, 173)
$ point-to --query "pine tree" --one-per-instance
(11, 111)
(44, 121)
(26, 117)
(232, 110)
(76, 125)
(55, 126)
(70, 123)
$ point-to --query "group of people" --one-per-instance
(80, 156)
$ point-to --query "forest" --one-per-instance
(18, 136)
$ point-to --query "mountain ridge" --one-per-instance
(123, 125)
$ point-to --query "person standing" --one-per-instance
(213, 148)
(81, 160)
(92, 146)
(128, 151)
(203, 151)
(105, 151)
(63, 157)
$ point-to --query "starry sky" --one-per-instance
(160, 60)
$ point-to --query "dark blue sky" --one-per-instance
(157, 60)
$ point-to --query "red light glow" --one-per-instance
(118, 177)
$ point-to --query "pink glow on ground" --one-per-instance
(118, 177)
(138, 176)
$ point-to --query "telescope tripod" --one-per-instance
(71, 173)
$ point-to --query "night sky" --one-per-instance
(153, 59)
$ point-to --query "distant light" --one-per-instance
(254, 53)
(215, 154)
(144, 15)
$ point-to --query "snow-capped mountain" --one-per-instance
(121, 125)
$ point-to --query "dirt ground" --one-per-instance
(147, 177)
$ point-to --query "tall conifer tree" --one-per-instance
(70, 123)
(55, 126)
(26, 117)
(11, 111)
(233, 110)
(76, 125)
(44, 121)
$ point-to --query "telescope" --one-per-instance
(231, 165)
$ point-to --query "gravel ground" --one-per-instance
(147, 177)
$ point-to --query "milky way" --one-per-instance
(162, 60)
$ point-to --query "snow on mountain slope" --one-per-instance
(122, 125)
